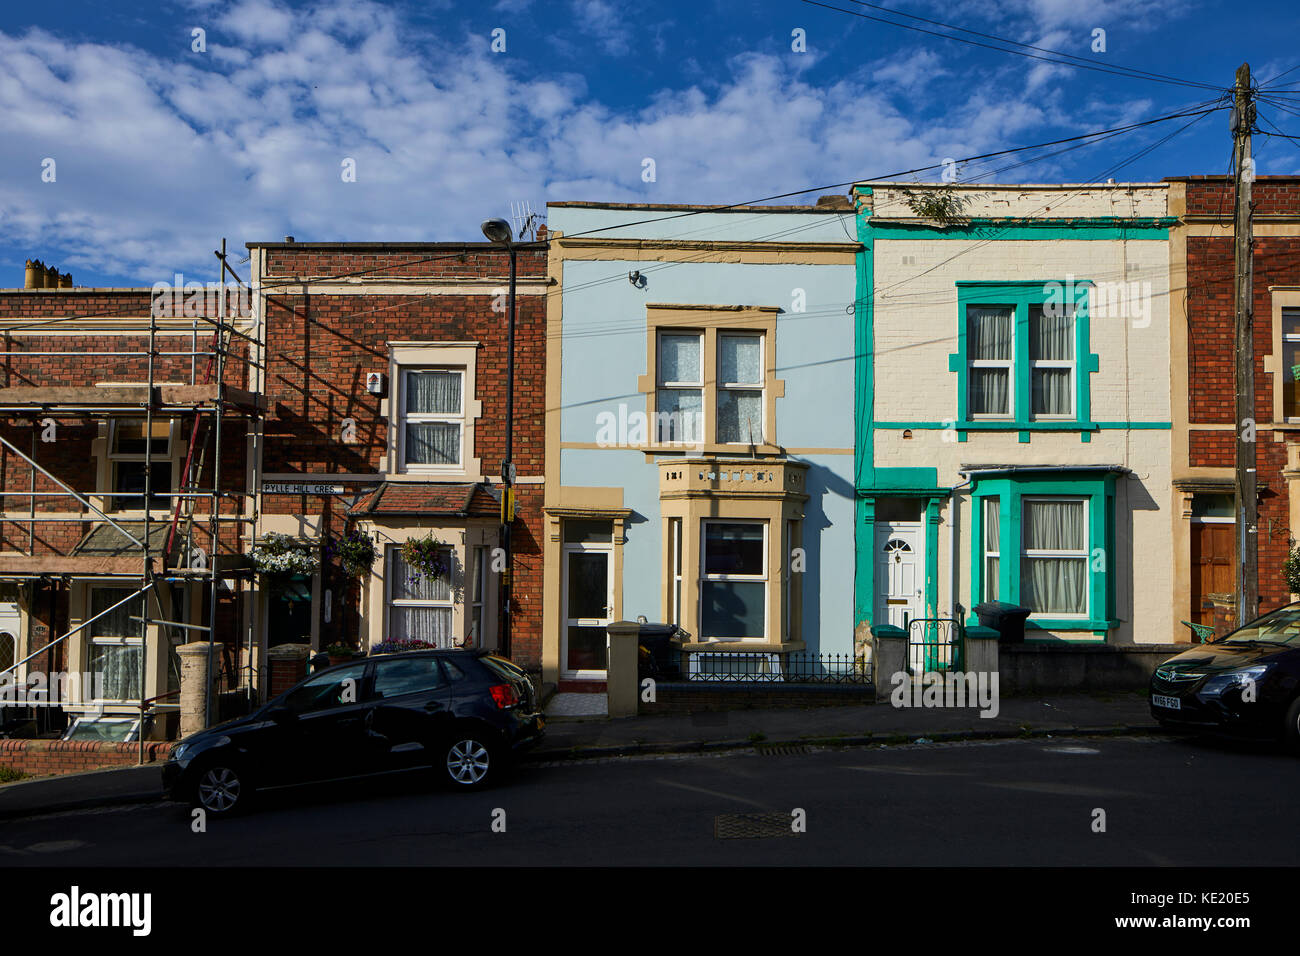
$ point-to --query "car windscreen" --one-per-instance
(1280, 627)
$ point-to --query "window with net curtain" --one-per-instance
(115, 649)
(992, 548)
(432, 417)
(1051, 360)
(740, 389)
(419, 608)
(679, 396)
(989, 354)
(1054, 562)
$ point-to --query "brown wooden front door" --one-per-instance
(1213, 553)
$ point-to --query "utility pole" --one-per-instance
(1245, 482)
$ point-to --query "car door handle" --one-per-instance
(435, 705)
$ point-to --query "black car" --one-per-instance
(1247, 683)
(465, 713)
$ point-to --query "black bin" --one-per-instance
(1007, 619)
(659, 656)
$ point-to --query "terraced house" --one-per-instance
(699, 432)
(1013, 408)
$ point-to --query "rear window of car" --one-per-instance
(503, 668)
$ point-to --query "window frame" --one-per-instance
(391, 604)
(707, 577)
(120, 641)
(1286, 312)
(723, 386)
(1022, 295)
(699, 386)
(133, 503)
(1083, 555)
(404, 417)
(1036, 364)
(1009, 489)
(1008, 365)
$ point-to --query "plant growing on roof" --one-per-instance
(279, 554)
(356, 552)
(941, 204)
(426, 557)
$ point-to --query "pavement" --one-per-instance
(576, 738)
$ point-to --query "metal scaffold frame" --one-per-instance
(209, 402)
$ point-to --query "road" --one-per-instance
(1167, 802)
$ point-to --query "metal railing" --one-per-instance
(933, 644)
(796, 667)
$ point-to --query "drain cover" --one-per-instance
(779, 750)
(752, 826)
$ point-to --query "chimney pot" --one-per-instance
(34, 274)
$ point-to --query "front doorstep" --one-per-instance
(581, 686)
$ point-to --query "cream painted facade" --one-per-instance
(1012, 245)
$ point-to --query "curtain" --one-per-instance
(740, 358)
(988, 333)
(433, 393)
(740, 415)
(680, 357)
(992, 548)
(1051, 338)
(988, 338)
(120, 669)
(679, 415)
(432, 443)
(431, 624)
(1055, 585)
(407, 586)
(118, 623)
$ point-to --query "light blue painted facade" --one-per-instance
(603, 354)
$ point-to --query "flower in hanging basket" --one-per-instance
(278, 554)
(426, 557)
(356, 552)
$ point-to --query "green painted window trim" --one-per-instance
(1008, 492)
(1022, 295)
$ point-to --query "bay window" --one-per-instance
(115, 647)
(1054, 557)
(419, 607)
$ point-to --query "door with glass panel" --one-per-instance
(588, 589)
(899, 575)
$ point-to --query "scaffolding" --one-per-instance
(148, 551)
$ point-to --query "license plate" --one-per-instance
(1172, 703)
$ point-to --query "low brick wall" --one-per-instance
(686, 697)
(40, 758)
(1037, 668)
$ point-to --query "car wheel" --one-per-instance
(470, 760)
(221, 789)
(1291, 729)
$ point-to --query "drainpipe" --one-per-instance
(954, 523)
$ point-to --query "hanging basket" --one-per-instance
(426, 558)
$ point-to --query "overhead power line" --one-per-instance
(1044, 54)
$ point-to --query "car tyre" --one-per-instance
(470, 760)
(221, 789)
(1291, 728)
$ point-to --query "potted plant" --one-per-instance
(398, 646)
(426, 557)
(356, 553)
(339, 653)
(280, 556)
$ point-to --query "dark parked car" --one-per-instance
(465, 713)
(1247, 683)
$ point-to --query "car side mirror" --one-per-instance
(281, 714)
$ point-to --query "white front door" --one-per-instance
(900, 572)
(588, 588)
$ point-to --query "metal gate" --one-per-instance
(933, 644)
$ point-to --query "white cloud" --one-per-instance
(157, 159)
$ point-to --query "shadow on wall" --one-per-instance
(820, 483)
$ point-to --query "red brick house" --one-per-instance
(99, 386)
(1202, 381)
(385, 382)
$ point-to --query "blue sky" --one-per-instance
(160, 150)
